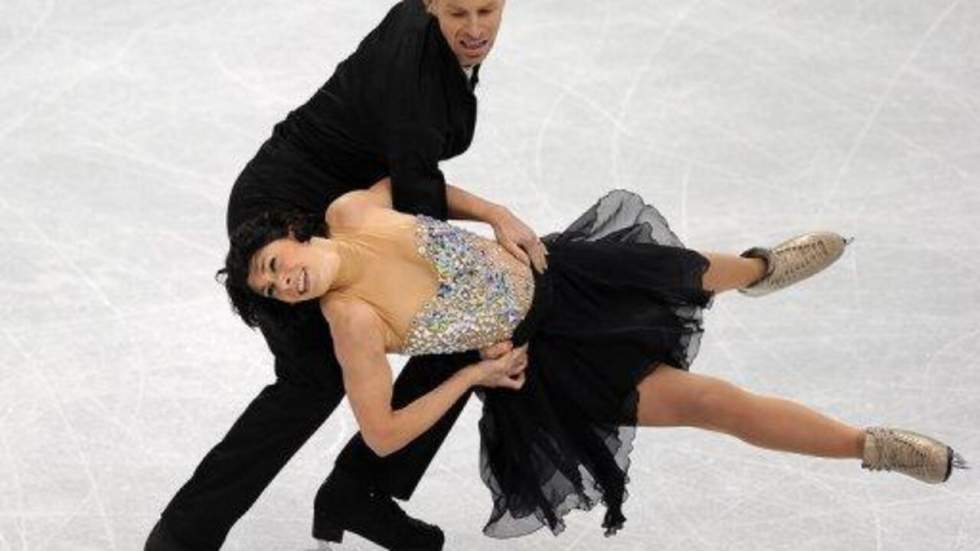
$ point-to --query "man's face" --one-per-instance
(470, 26)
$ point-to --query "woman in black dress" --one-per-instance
(612, 326)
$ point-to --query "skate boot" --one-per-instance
(794, 260)
(344, 503)
(909, 453)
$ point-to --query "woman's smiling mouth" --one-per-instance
(304, 283)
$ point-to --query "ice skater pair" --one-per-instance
(610, 328)
(397, 106)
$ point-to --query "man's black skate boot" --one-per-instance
(344, 504)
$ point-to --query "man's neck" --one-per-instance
(471, 72)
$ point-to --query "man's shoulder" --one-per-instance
(407, 19)
(409, 13)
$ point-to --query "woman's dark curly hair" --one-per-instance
(248, 239)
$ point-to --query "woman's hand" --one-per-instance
(502, 366)
(518, 361)
(496, 350)
(519, 239)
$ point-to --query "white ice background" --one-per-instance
(124, 123)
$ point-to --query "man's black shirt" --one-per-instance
(396, 107)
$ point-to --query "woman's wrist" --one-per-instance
(471, 375)
(466, 206)
(494, 212)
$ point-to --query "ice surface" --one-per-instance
(123, 125)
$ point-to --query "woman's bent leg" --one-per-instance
(673, 397)
(727, 272)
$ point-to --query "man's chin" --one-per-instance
(467, 61)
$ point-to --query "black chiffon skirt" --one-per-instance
(620, 296)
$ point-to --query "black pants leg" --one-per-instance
(235, 472)
(399, 473)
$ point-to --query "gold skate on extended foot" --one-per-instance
(794, 260)
(909, 453)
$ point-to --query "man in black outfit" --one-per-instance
(396, 107)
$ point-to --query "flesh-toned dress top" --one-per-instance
(438, 288)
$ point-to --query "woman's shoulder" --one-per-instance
(356, 327)
(349, 314)
(356, 209)
(347, 209)
(352, 319)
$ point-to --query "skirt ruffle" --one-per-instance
(621, 296)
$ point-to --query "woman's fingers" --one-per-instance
(508, 369)
(520, 240)
(536, 251)
(495, 350)
(528, 241)
(513, 383)
(519, 360)
(501, 366)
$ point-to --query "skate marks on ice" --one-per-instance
(122, 126)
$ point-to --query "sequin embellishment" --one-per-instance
(480, 299)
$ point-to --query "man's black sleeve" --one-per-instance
(413, 125)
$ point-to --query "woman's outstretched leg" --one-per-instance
(673, 397)
(727, 272)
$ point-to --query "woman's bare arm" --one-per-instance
(359, 346)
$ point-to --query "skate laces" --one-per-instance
(895, 451)
(798, 259)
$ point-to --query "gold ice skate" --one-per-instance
(794, 260)
(909, 453)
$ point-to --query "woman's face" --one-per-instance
(291, 271)
(470, 26)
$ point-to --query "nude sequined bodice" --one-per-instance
(481, 292)
(479, 300)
